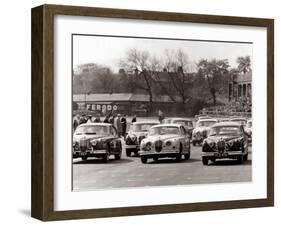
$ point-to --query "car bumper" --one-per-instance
(222, 155)
(89, 153)
(163, 152)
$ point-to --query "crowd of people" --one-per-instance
(242, 105)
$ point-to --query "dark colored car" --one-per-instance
(225, 140)
(98, 140)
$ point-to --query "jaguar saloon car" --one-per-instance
(185, 122)
(225, 140)
(98, 140)
(201, 129)
(165, 140)
(137, 132)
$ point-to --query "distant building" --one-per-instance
(240, 87)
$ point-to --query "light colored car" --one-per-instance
(137, 132)
(239, 120)
(185, 122)
(201, 130)
(248, 129)
(98, 140)
(165, 140)
(225, 140)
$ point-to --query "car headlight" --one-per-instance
(168, 143)
(211, 143)
(94, 142)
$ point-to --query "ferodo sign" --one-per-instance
(101, 107)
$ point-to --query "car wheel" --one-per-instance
(128, 153)
(155, 159)
(178, 158)
(84, 158)
(187, 156)
(205, 161)
(117, 156)
(193, 143)
(143, 159)
(240, 159)
(245, 157)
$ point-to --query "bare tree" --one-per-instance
(177, 67)
(138, 63)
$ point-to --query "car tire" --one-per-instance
(128, 153)
(178, 157)
(84, 158)
(245, 157)
(187, 156)
(205, 161)
(144, 159)
(117, 156)
(194, 143)
(240, 159)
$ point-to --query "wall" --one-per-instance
(15, 111)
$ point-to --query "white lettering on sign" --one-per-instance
(98, 107)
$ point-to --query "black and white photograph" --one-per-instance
(160, 112)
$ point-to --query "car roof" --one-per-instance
(95, 124)
(183, 119)
(238, 118)
(208, 119)
(168, 125)
(145, 122)
(226, 124)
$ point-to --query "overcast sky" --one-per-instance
(108, 51)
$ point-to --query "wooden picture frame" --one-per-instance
(42, 203)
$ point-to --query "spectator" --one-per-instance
(106, 120)
(134, 119)
(97, 119)
(82, 119)
(124, 125)
(160, 116)
(118, 125)
(90, 120)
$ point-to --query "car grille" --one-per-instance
(221, 146)
(83, 145)
(158, 145)
(130, 141)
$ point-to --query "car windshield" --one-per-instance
(90, 129)
(141, 127)
(240, 121)
(206, 123)
(183, 123)
(161, 130)
(225, 130)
